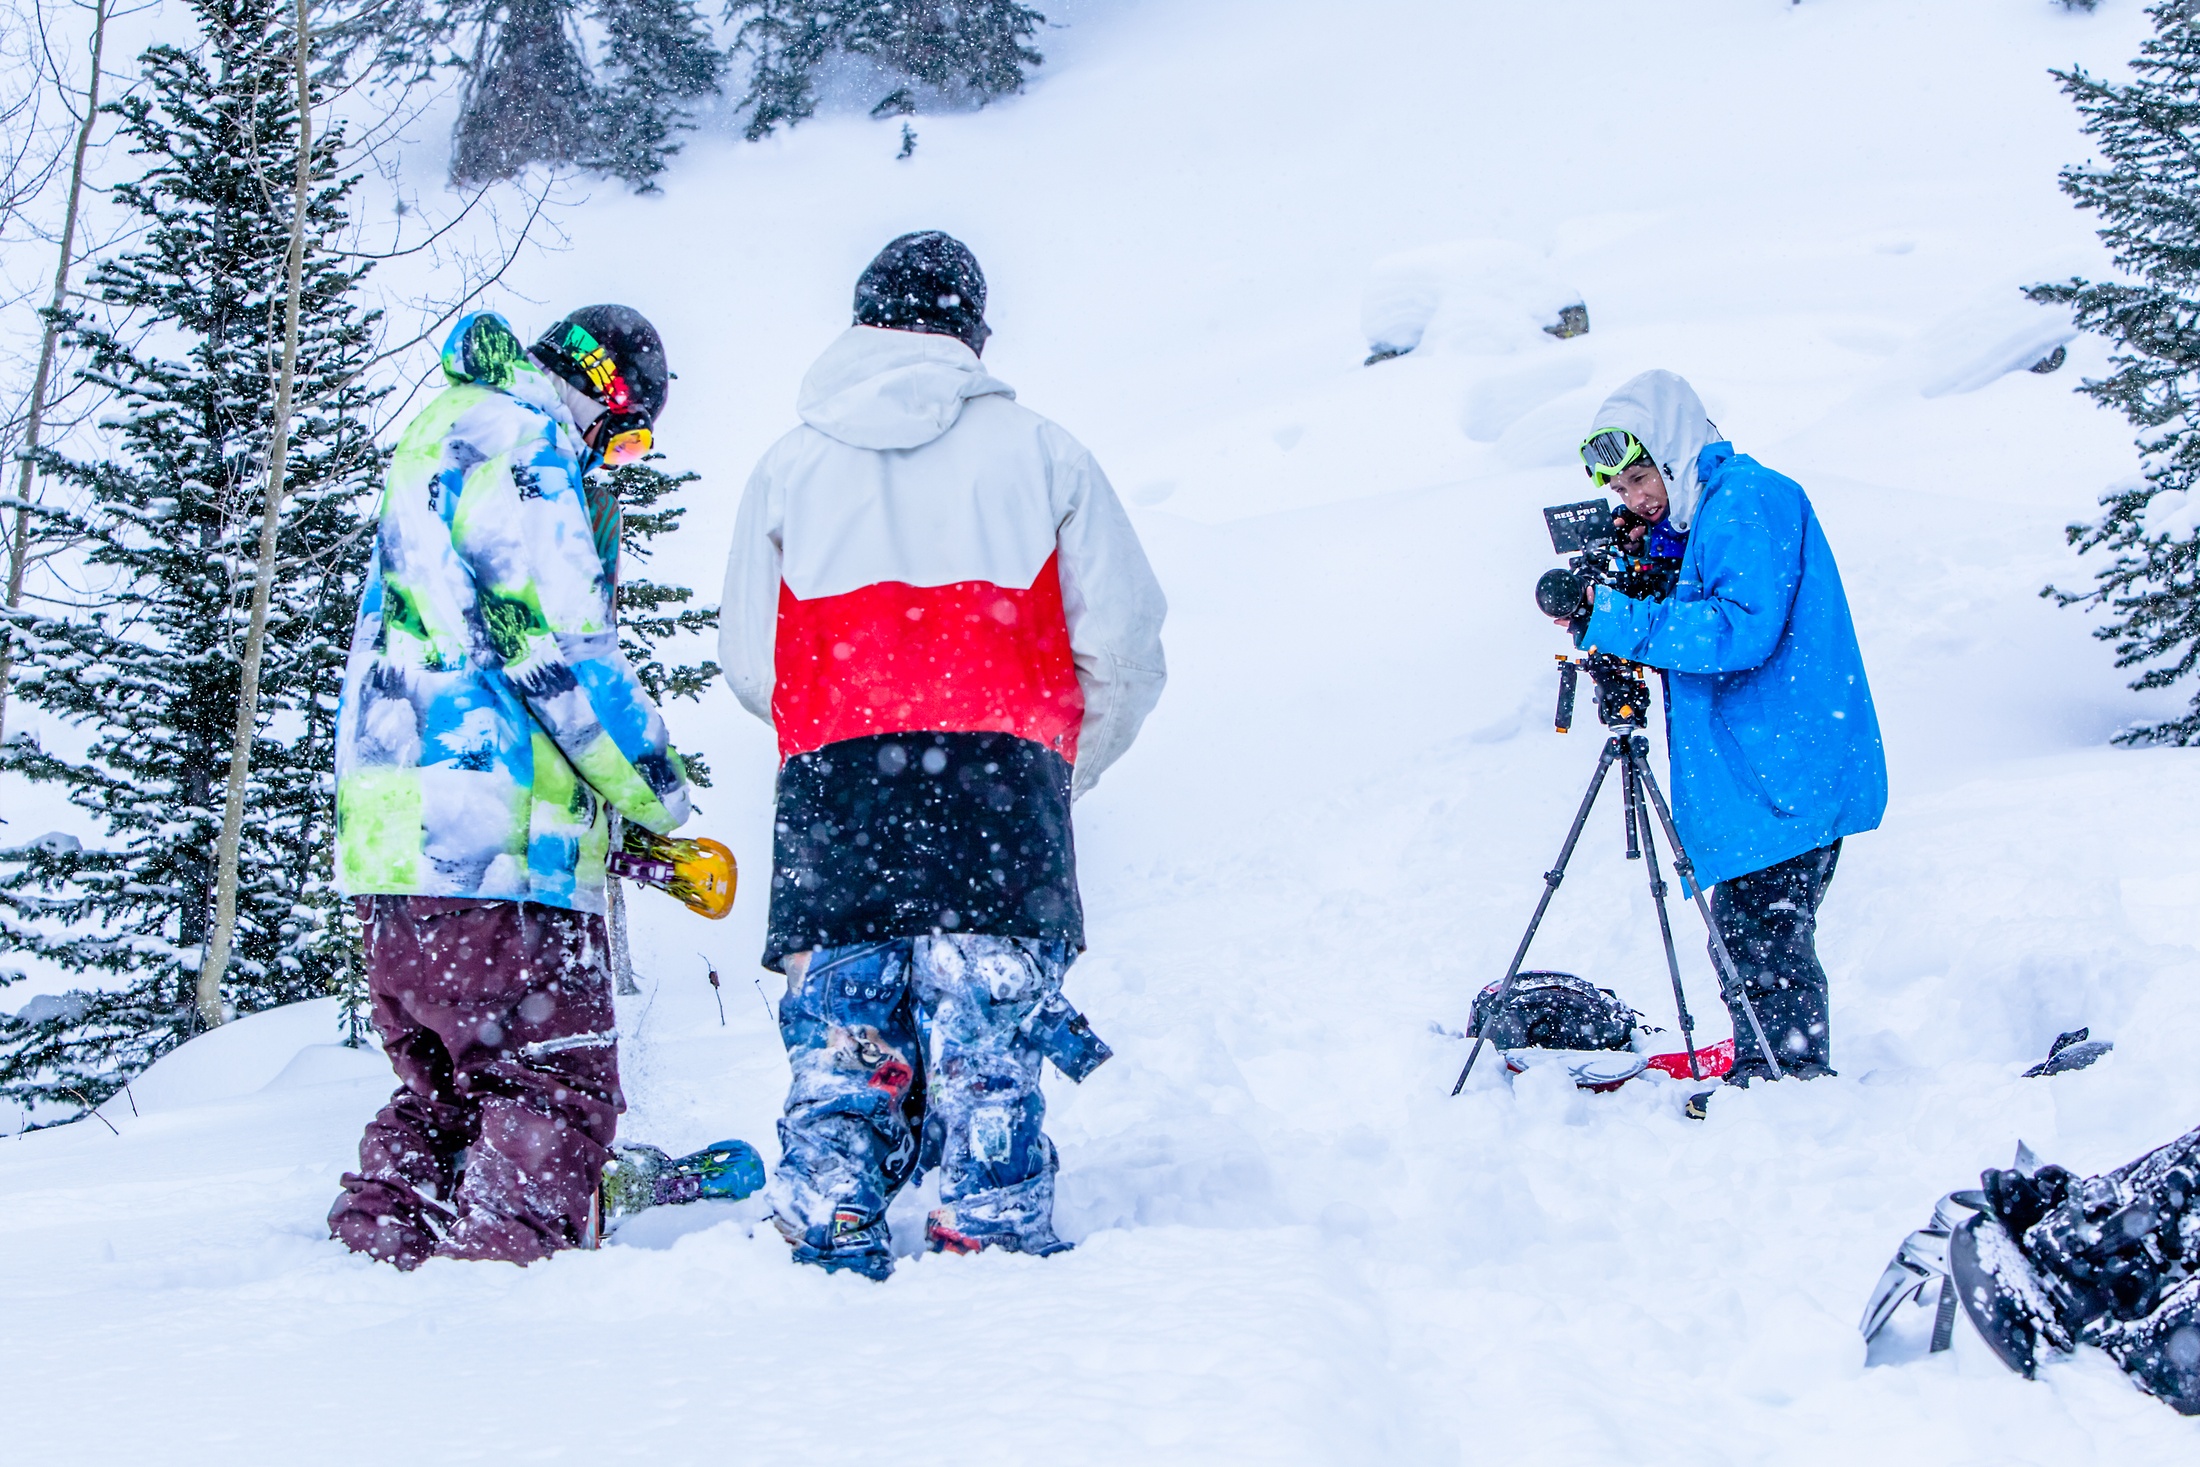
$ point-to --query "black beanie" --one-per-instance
(928, 281)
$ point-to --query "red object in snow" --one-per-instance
(1714, 1060)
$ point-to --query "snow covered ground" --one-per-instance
(1294, 1246)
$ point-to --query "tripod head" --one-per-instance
(1623, 693)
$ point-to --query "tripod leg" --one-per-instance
(1629, 798)
(1638, 754)
(1730, 978)
(1551, 879)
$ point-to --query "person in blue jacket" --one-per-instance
(1774, 746)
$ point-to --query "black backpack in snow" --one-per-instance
(1554, 1011)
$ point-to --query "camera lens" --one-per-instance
(1560, 593)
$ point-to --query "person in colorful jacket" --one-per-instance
(489, 726)
(1774, 743)
(938, 603)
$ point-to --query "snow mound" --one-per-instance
(1988, 339)
(1494, 404)
(275, 1048)
(1484, 297)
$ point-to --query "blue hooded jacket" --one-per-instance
(1774, 745)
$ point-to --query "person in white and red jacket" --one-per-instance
(938, 603)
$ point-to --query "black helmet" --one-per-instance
(928, 281)
(611, 353)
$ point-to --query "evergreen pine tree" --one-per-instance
(532, 95)
(2146, 188)
(661, 60)
(188, 346)
(964, 51)
(651, 612)
(529, 97)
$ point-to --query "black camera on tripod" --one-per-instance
(1597, 538)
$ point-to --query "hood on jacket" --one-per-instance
(876, 388)
(483, 350)
(1663, 411)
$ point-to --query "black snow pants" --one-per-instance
(1769, 920)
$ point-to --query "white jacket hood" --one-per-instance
(1663, 411)
(875, 388)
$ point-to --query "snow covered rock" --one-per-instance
(1993, 336)
(1477, 296)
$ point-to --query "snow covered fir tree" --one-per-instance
(185, 338)
(2146, 189)
(530, 92)
(532, 96)
(913, 51)
(527, 97)
(659, 66)
(651, 612)
(608, 86)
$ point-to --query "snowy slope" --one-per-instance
(1294, 1247)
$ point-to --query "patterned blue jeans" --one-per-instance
(908, 1055)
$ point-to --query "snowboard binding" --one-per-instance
(2041, 1261)
(641, 1177)
(700, 873)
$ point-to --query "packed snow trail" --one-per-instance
(1293, 1246)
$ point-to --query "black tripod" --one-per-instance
(1623, 698)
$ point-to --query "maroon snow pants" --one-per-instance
(497, 1018)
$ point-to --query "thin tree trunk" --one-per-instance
(216, 966)
(622, 953)
(19, 546)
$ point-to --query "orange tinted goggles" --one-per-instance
(627, 447)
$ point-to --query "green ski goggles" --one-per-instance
(1606, 454)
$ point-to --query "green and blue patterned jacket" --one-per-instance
(488, 716)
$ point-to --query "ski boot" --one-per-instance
(947, 1230)
(700, 873)
(848, 1244)
(640, 1177)
(1016, 1219)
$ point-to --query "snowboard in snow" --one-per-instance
(1604, 1070)
(641, 1177)
(1713, 1060)
(1918, 1273)
(2001, 1295)
(701, 874)
(1592, 1069)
